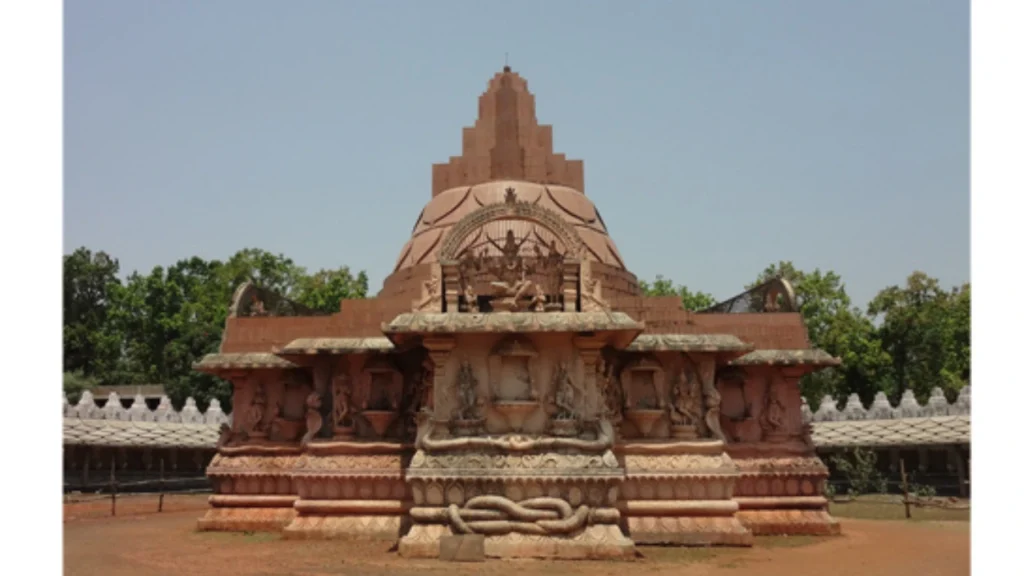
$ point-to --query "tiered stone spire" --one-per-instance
(507, 143)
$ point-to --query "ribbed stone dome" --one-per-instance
(506, 148)
(447, 208)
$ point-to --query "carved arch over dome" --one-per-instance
(511, 209)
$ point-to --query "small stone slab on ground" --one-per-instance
(462, 548)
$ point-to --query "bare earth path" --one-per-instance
(139, 542)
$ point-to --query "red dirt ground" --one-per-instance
(139, 541)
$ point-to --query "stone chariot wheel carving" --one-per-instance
(511, 209)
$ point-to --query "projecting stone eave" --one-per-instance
(616, 328)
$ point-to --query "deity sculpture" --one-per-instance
(430, 293)
(510, 249)
(472, 305)
(773, 416)
(564, 393)
(539, 300)
(468, 402)
(314, 421)
(257, 308)
(613, 399)
(685, 401)
(714, 407)
(343, 409)
(254, 414)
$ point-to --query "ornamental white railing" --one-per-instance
(881, 409)
(138, 411)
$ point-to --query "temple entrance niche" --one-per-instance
(514, 380)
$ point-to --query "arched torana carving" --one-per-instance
(511, 209)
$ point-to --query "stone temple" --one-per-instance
(511, 380)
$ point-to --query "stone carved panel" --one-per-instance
(517, 281)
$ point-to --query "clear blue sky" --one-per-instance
(717, 137)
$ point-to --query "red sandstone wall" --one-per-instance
(357, 319)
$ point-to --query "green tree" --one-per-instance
(325, 290)
(665, 287)
(926, 331)
(75, 383)
(157, 325)
(89, 283)
(276, 273)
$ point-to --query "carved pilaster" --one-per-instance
(322, 372)
(570, 284)
(439, 350)
(452, 281)
(590, 353)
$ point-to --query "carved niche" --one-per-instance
(512, 369)
(643, 384)
(380, 391)
(741, 407)
(289, 412)
(513, 380)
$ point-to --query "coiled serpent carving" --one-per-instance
(496, 515)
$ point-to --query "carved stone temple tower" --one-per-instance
(511, 380)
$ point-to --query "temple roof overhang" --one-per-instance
(901, 432)
(695, 343)
(808, 357)
(215, 363)
(616, 327)
(328, 346)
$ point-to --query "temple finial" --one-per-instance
(507, 69)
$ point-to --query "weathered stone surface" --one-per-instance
(462, 548)
(688, 343)
(438, 323)
(811, 357)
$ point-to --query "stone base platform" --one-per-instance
(345, 528)
(598, 542)
(789, 522)
(246, 519)
(348, 520)
(689, 531)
